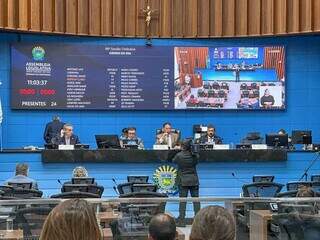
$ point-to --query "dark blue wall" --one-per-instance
(22, 128)
(302, 70)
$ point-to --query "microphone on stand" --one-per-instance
(116, 191)
(236, 178)
(59, 182)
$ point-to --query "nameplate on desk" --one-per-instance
(221, 147)
(160, 147)
(66, 147)
(259, 146)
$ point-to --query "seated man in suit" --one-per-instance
(52, 129)
(210, 137)
(167, 137)
(21, 176)
(131, 139)
(67, 137)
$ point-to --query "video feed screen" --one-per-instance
(229, 77)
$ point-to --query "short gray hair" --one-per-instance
(79, 172)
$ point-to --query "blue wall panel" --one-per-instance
(22, 128)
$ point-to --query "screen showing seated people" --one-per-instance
(230, 77)
(101, 77)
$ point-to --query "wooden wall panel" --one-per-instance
(215, 18)
(155, 23)
(267, 17)
(228, 18)
(13, 14)
(24, 23)
(306, 15)
(3, 13)
(95, 17)
(191, 18)
(254, 17)
(203, 18)
(106, 17)
(316, 15)
(35, 8)
(118, 17)
(71, 16)
(47, 15)
(178, 17)
(241, 17)
(59, 16)
(170, 18)
(166, 18)
(293, 16)
(280, 16)
(140, 20)
(131, 12)
(83, 17)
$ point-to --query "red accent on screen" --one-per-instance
(27, 91)
(47, 92)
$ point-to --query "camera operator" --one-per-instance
(187, 177)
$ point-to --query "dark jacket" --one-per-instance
(204, 139)
(52, 130)
(74, 139)
(187, 172)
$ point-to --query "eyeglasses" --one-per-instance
(68, 129)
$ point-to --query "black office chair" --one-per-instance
(288, 194)
(21, 185)
(89, 188)
(144, 187)
(261, 189)
(125, 188)
(137, 179)
(31, 220)
(6, 189)
(67, 195)
(315, 178)
(294, 185)
(22, 194)
(297, 226)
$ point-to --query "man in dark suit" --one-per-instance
(53, 129)
(210, 137)
(67, 137)
(187, 178)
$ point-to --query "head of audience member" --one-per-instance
(186, 144)
(68, 130)
(282, 131)
(266, 92)
(214, 223)
(72, 219)
(162, 227)
(22, 169)
(211, 131)
(56, 118)
(79, 172)
(166, 128)
(305, 192)
(132, 133)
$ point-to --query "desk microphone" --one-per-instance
(116, 191)
(59, 182)
(113, 180)
(238, 179)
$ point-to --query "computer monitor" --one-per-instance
(108, 141)
(137, 179)
(81, 146)
(82, 180)
(277, 140)
(130, 144)
(301, 137)
(262, 178)
(315, 178)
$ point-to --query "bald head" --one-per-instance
(162, 227)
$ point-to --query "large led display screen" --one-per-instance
(100, 77)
